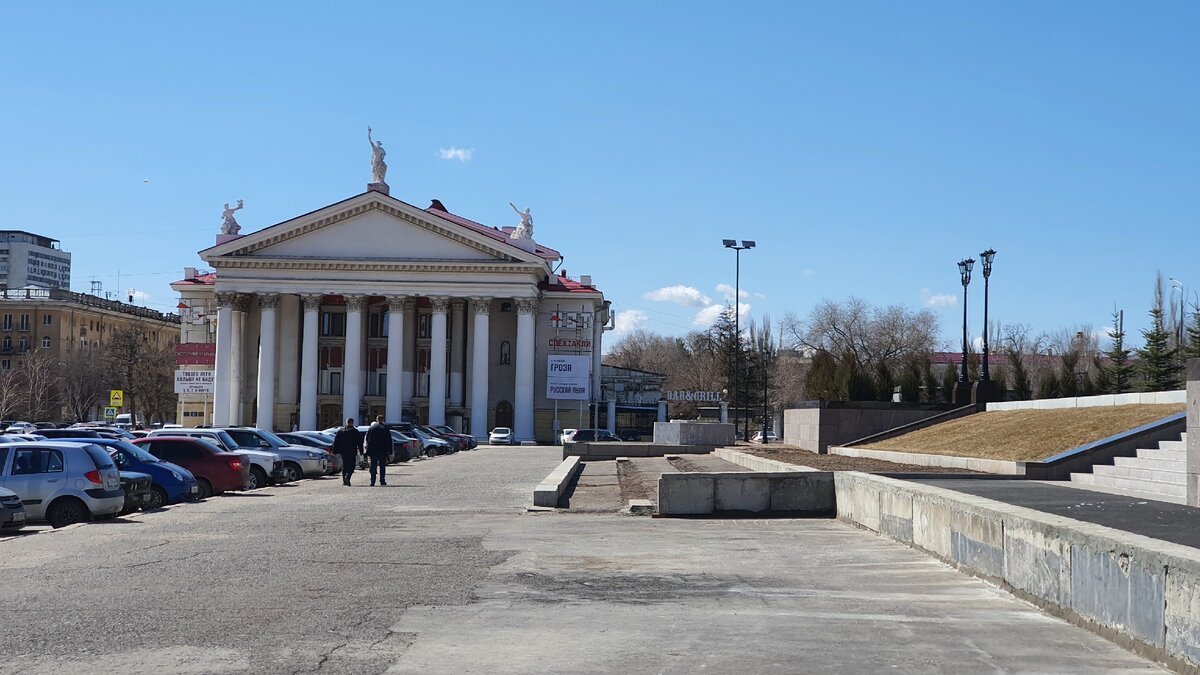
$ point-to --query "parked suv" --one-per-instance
(62, 482)
(171, 483)
(215, 470)
(298, 461)
(265, 467)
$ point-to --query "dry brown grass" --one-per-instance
(1023, 435)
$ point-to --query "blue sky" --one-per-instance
(866, 147)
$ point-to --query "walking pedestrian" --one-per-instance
(347, 442)
(379, 445)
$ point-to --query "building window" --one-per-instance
(45, 343)
(333, 324)
(505, 353)
(377, 325)
(7, 343)
(46, 319)
(23, 345)
(423, 325)
(6, 364)
(7, 323)
(24, 322)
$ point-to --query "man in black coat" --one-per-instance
(379, 445)
(347, 442)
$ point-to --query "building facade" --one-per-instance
(372, 306)
(28, 259)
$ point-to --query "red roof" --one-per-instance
(200, 280)
(560, 283)
(499, 234)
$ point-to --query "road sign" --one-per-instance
(110, 413)
(116, 398)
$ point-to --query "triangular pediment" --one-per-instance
(370, 226)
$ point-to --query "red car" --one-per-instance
(215, 470)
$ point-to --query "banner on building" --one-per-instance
(569, 378)
(194, 381)
(695, 396)
(570, 343)
(195, 354)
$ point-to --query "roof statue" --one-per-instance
(525, 229)
(229, 224)
(378, 166)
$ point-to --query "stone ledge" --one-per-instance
(550, 490)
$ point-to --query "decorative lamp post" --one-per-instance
(986, 258)
(737, 329)
(964, 271)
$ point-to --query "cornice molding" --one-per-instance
(350, 265)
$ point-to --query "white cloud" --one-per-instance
(680, 294)
(727, 292)
(461, 154)
(709, 315)
(938, 300)
(977, 343)
(760, 296)
(629, 320)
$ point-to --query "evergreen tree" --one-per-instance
(1118, 371)
(1068, 382)
(1048, 385)
(929, 383)
(822, 381)
(1101, 385)
(1022, 389)
(910, 380)
(885, 384)
(949, 381)
(1192, 351)
(1157, 361)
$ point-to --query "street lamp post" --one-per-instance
(986, 258)
(737, 329)
(962, 393)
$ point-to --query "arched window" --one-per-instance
(45, 343)
(24, 344)
(505, 353)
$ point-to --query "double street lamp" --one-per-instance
(985, 388)
(986, 258)
(737, 329)
(964, 271)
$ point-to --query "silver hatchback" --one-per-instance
(62, 482)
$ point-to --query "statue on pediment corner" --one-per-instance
(229, 224)
(378, 166)
(525, 229)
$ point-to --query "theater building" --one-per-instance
(375, 306)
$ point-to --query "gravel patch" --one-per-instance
(793, 455)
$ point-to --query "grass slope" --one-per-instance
(1022, 435)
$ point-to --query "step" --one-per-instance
(1150, 487)
(1143, 463)
(1141, 473)
(1180, 446)
(1155, 453)
(1136, 494)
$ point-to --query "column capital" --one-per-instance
(482, 305)
(312, 301)
(355, 303)
(226, 300)
(398, 303)
(268, 300)
(242, 301)
(439, 303)
(527, 305)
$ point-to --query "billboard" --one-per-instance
(194, 381)
(569, 378)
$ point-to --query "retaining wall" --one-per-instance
(605, 451)
(820, 424)
(806, 493)
(693, 433)
(1141, 593)
(1144, 398)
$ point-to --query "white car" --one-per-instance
(758, 437)
(21, 428)
(502, 436)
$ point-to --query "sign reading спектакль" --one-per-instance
(569, 377)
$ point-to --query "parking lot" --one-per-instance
(445, 570)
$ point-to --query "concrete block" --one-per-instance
(685, 494)
(977, 542)
(693, 433)
(857, 499)
(1183, 613)
(1127, 399)
(896, 515)
(1036, 561)
(931, 526)
(1097, 401)
(1056, 403)
(742, 493)
(1114, 589)
(548, 492)
(1166, 397)
(810, 492)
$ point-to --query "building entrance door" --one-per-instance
(504, 414)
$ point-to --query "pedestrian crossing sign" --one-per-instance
(110, 413)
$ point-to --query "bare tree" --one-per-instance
(10, 393)
(39, 382)
(154, 381)
(84, 384)
(141, 368)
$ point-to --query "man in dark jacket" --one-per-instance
(379, 445)
(347, 442)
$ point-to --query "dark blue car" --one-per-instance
(171, 483)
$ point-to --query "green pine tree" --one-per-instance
(949, 381)
(1157, 361)
(1048, 384)
(1118, 371)
(929, 383)
(1192, 351)
(910, 379)
(1022, 388)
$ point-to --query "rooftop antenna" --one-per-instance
(97, 287)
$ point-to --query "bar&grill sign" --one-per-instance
(568, 378)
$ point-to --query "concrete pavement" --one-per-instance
(445, 571)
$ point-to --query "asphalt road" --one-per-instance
(444, 570)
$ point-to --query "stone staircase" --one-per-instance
(1158, 474)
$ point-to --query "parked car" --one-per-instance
(12, 511)
(70, 432)
(431, 445)
(502, 436)
(20, 428)
(62, 482)
(591, 436)
(266, 468)
(770, 438)
(216, 470)
(631, 435)
(468, 442)
(45, 425)
(171, 483)
(412, 446)
(298, 461)
(315, 439)
(136, 486)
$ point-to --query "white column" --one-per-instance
(458, 337)
(408, 379)
(238, 357)
(662, 411)
(437, 360)
(394, 406)
(479, 369)
(612, 415)
(287, 371)
(265, 418)
(597, 337)
(310, 377)
(526, 329)
(352, 370)
(222, 389)
(724, 412)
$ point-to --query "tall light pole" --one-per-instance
(737, 327)
(986, 258)
(962, 393)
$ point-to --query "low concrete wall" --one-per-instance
(1192, 466)
(1141, 593)
(550, 490)
(807, 493)
(605, 451)
(819, 424)
(756, 463)
(996, 466)
(1145, 398)
(693, 433)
